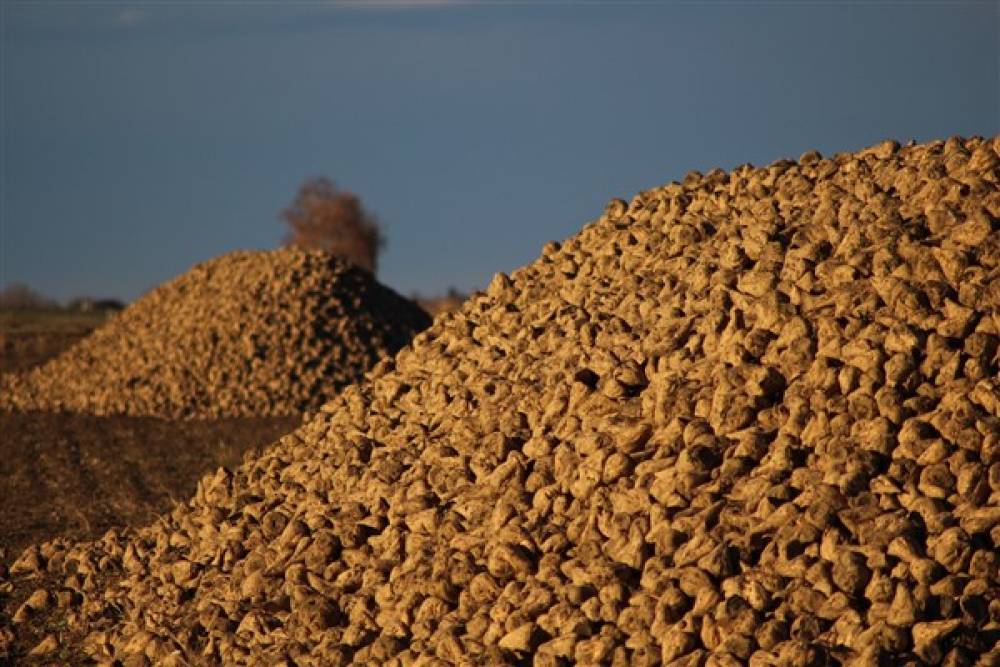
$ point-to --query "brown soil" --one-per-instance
(29, 338)
(21, 351)
(78, 475)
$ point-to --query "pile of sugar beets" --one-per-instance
(245, 334)
(748, 418)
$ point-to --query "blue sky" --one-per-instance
(140, 138)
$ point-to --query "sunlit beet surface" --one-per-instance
(748, 418)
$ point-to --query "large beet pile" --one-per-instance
(248, 333)
(750, 417)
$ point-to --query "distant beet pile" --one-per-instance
(246, 334)
(748, 418)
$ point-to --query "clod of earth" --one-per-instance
(753, 417)
(247, 334)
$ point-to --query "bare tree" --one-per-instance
(321, 216)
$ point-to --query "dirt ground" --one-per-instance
(20, 351)
(78, 475)
(29, 338)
